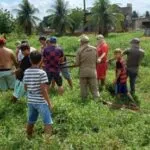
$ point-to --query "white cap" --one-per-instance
(84, 38)
(100, 36)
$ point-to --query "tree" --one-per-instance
(60, 16)
(147, 14)
(26, 16)
(77, 17)
(105, 16)
(6, 21)
(135, 15)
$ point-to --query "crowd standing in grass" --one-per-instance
(37, 72)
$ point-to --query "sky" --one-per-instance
(139, 5)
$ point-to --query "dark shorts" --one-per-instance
(56, 77)
(121, 88)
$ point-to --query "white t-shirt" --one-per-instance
(21, 56)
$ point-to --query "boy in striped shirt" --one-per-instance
(39, 103)
(121, 76)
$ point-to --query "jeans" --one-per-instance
(34, 110)
(132, 79)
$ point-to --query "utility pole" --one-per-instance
(84, 19)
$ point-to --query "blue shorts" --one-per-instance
(34, 110)
(65, 72)
(121, 88)
(19, 90)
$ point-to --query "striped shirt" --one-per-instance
(33, 78)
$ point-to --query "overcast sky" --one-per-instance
(139, 5)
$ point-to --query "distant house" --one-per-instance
(127, 12)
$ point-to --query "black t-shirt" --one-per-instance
(118, 67)
(25, 64)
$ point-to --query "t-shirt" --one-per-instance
(134, 58)
(33, 78)
(25, 64)
(20, 55)
(52, 56)
(120, 65)
(86, 59)
(103, 48)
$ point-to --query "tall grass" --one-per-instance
(77, 125)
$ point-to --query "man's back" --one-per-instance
(86, 59)
(52, 58)
(6, 58)
(134, 58)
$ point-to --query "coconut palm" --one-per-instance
(26, 16)
(59, 16)
(105, 15)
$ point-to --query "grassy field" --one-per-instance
(77, 125)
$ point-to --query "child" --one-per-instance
(24, 64)
(121, 75)
(35, 80)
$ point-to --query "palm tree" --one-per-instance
(59, 16)
(105, 15)
(26, 16)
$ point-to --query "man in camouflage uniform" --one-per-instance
(86, 59)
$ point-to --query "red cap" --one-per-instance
(2, 40)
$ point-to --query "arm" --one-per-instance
(77, 60)
(14, 60)
(126, 52)
(17, 52)
(25, 87)
(104, 50)
(111, 59)
(101, 57)
(44, 92)
(117, 75)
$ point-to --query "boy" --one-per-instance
(24, 64)
(121, 75)
(35, 80)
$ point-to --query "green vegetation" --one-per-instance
(6, 21)
(105, 16)
(26, 16)
(60, 16)
(77, 125)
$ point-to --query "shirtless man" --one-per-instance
(7, 63)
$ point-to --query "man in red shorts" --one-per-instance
(102, 50)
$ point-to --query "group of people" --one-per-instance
(93, 64)
(33, 73)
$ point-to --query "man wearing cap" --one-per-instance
(52, 57)
(134, 57)
(7, 63)
(102, 51)
(86, 59)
